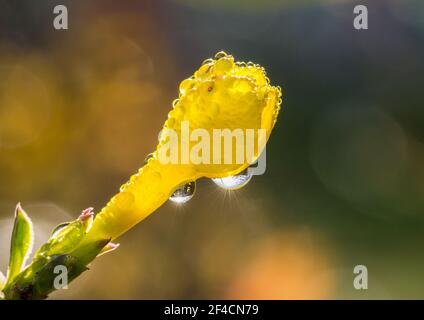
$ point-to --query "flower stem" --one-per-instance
(139, 197)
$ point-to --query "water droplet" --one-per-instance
(148, 157)
(203, 70)
(134, 178)
(184, 193)
(220, 54)
(234, 182)
(223, 66)
(186, 85)
(125, 186)
(170, 122)
(207, 61)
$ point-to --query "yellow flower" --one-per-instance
(221, 94)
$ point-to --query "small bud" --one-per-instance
(87, 217)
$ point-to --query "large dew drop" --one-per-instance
(184, 193)
(234, 182)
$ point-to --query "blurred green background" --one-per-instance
(344, 186)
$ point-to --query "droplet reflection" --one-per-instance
(234, 182)
(184, 193)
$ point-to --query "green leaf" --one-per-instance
(37, 280)
(21, 243)
(64, 239)
(59, 227)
